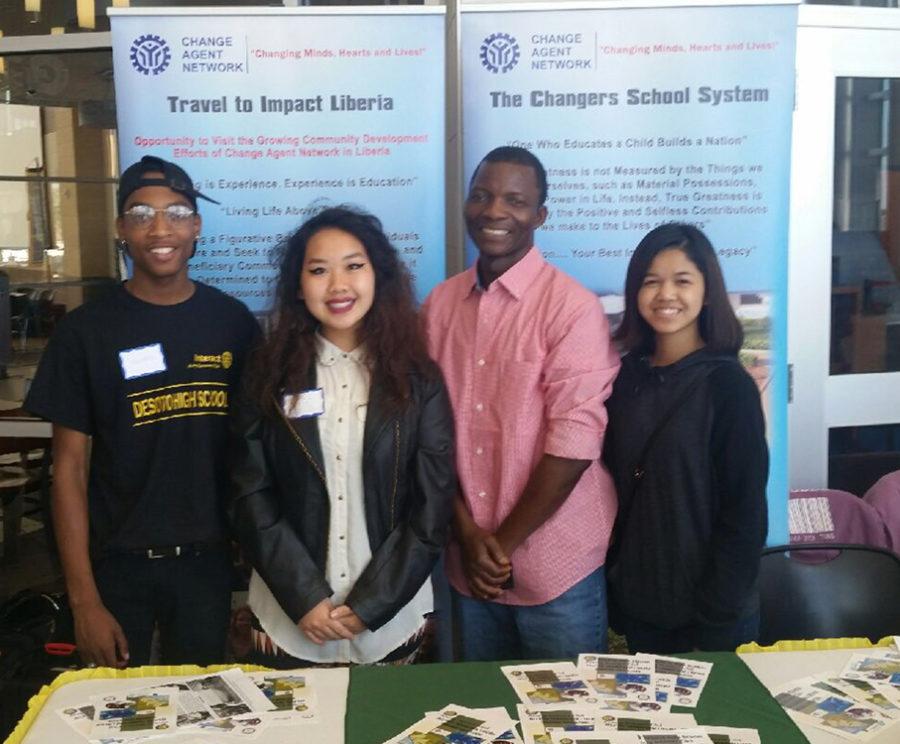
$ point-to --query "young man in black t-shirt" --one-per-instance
(137, 385)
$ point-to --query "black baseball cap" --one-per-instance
(174, 177)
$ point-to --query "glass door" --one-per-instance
(844, 308)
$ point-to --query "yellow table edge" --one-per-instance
(36, 703)
(816, 644)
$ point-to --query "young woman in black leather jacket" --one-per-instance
(343, 465)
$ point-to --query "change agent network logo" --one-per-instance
(499, 53)
(150, 54)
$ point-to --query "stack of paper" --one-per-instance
(230, 704)
(461, 725)
(699, 735)
(857, 703)
(550, 682)
(615, 699)
(540, 722)
(688, 677)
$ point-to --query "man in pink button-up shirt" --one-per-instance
(526, 354)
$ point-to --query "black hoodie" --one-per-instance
(690, 531)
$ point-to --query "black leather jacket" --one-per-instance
(279, 505)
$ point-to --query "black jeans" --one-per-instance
(188, 597)
(651, 639)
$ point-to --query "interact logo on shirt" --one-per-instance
(212, 361)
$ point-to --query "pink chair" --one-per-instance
(828, 515)
(884, 497)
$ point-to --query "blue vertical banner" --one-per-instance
(644, 116)
(275, 112)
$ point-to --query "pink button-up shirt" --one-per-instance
(528, 363)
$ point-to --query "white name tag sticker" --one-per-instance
(304, 404)
(142, 361)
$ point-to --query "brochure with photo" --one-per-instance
(134, 714)
(244, 726)
(537, 721)
(633, 706)
(460, 725)
(225, 694)
(646, 721)
(558, 682)
(624, 677)
(292, 695)
(883, 667)
(861, 690)
(726, 735)
(689, 677)
(825, 709)
(686, 736)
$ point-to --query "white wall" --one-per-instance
(20, 148)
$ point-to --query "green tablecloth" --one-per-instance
(385, 700)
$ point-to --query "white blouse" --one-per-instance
(344, 380)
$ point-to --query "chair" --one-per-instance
(884, 497)
(44, 313)
(24, 488)
(20, 311)
(830, 515)
(855, 594)
(12, 488)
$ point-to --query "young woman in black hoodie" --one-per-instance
(686, 445)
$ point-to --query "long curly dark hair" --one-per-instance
(391, 332)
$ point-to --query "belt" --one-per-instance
(176, 551)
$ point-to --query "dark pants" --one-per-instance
(188, 597)
(651, 639)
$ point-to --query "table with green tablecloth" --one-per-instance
(385, 700)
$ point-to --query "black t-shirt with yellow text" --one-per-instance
(151, 384)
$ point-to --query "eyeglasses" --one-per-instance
(142, 215)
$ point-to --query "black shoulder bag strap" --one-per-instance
(637, 474)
